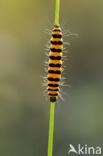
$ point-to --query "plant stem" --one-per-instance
(51, 129)
(57, 12)
(52, 104)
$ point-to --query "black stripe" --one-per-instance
(54, 71)
(53, 85)
(53, 79)
(54, 65)
(53, 94)
(56, 42)
(57, 36)
(52, 99)
(55, 57)
(56, 50)
(56, 30)
(53, 89)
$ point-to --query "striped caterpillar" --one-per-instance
(55, 63)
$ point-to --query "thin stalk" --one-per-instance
(52, 104)
(57, 12)
(51, 129)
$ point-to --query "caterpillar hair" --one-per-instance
(55, 63)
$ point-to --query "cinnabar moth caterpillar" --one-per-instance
(55, 63)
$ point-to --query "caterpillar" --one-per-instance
(55, 63)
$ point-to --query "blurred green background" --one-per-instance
(24, 111)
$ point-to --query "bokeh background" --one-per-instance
(24, 111)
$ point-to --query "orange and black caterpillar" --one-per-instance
(55, 63)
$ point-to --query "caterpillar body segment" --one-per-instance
(55, 63)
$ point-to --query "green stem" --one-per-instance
(52, 104)
(51, 129)
(57, 12)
